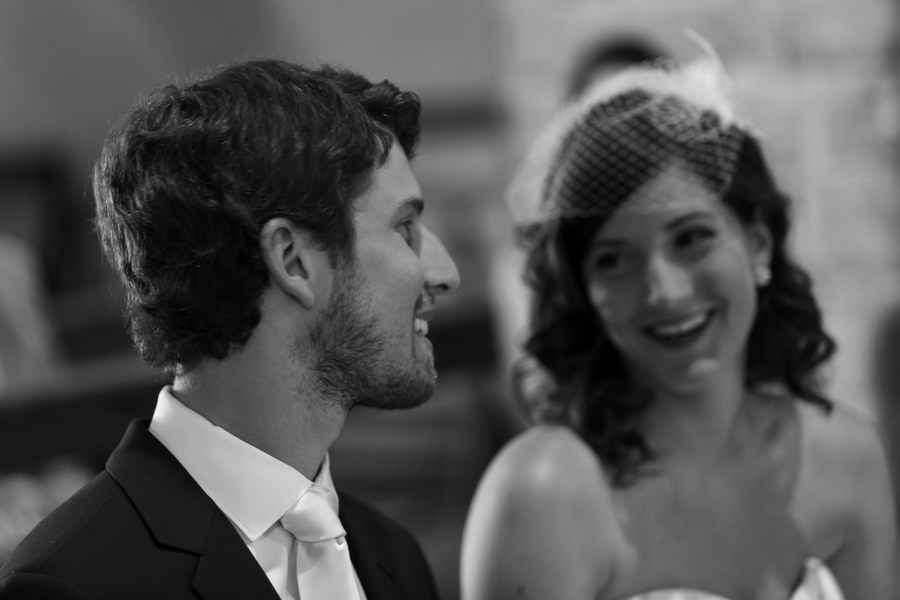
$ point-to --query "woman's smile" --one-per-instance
(682, 330)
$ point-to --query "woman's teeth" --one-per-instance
(680, 328)
(420, 326)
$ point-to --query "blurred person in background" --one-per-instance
(267, 228)
(683, 447)
(606, 58)
(28, 352)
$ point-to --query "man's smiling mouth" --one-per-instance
(420, 326)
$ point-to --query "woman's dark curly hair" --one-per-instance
(572, 373)
(187, 180)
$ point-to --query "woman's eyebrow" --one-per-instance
(688, 217)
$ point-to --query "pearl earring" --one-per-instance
(762, 274)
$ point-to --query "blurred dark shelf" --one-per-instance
(80, 413)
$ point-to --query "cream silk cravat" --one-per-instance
(324, 570)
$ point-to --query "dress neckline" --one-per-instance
(815, 583)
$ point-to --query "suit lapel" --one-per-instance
(180, 515)
(374, 574)
(223, 569)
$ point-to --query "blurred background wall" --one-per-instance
(819, 79)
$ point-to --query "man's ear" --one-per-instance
(294, 262)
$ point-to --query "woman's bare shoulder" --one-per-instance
(845, 441)
(549, 461)
(848, 483)
(540, 520)
(844, 464)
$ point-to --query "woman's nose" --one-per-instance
(667, 281)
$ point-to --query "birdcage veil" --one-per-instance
(604, 146)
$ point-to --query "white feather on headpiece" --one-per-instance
(701, 84)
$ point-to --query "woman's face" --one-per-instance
(670, 275)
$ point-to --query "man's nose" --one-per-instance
(441, 273)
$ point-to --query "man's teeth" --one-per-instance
(420, 326)
(682, 327)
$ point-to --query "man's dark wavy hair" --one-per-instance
(186, 181)
(584, 380)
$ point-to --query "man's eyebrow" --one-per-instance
(412, 204)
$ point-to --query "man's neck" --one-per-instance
(274, 413)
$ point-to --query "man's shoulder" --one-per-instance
(99, 521)
(60, 532)
(98, 543)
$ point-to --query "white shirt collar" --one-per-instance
(252, 488)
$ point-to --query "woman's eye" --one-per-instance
(692, 238)
(609, 263)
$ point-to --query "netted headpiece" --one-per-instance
(625, 131)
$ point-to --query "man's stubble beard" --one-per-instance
(347, 356)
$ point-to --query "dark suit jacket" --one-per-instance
(144, 529)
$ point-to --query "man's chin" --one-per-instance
(399, 397)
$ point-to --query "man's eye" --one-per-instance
(407, 230)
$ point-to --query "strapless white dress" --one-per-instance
(818, 583)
